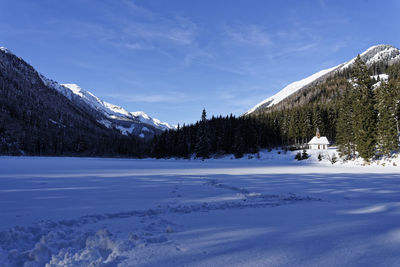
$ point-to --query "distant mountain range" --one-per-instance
(379, 56)
(111, 116)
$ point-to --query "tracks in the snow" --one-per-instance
(49, 241)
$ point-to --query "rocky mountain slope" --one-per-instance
(377, 57)
(36, 119)
(107, 114)
(41, 117)
(112, 116)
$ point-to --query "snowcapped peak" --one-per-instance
(379, 47)
(381, 53)
(5, 50)
(374, 47)
(375, 54)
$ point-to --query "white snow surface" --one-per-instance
(371, 55)
(126, 130)
(382, 77)
(265, 211)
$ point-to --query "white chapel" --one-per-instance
(318, 142)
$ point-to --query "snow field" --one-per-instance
(258, 212)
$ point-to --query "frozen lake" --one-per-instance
(123, 212)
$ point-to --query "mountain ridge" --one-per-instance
(110, 115)
(372, 55)
(38, 120)
(42, 117)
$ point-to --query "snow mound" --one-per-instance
(49, 245)
(97, 249)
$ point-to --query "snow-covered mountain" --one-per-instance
(110, 115)
(374, 54)
(38, 120)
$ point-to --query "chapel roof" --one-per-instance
(319, 141)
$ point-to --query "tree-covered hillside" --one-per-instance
(38, 120)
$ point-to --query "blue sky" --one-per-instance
(172, 58)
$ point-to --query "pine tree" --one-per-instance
(344, 127)
(203, 139)
(240, 144)
(317, 120)
(364, 112)
(394, 80)
(306, 125)
(294, 129)
(386, 105)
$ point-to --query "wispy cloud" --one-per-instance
(138, 10)
(337, 46)
(137, 29)
(252, 35)
(292, 49)
(153, 28)
(177, 33)
(133, 45)
(197, 55)
(172, 97)
(240, 97)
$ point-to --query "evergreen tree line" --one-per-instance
(247, 134)
(218, 135)
(368, 118)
